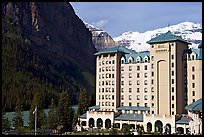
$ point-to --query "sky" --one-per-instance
(119, 17)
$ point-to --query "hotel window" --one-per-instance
(152, 105)
(113, 61)
(138, 67)
(172, 81)
(122, 97)
(102, 75)
(193, 77)
(99, 90)
(103, 62)
(145, 82)
(112, 75)
(122, 75)
(112, 89)
(130, 97)
(112, 103)
(145, 97)
(112, 96)
(152, 112)
(122, 68)
(152, 89)
(138, 75)
(152, 46)
(130, 61)
(145, 67)
(172, 65)
(102, 96)
(109, 62)
(99, 63)
(172, 73)
(102, 82)
(130, 82)
(138, 82)
(106, 82)
(172, 105)
(193, 93)
(138, 104)
(99, 69)
(130, 68)
(152, 66)
(122, 82)
(193, 85)
(145, 75)
(106, 62)
(112, 82)
(102, 69)
(152, 73)
(102, 89)
(109, 75)
(122, 61)
(113, 68)
(130, 104)
(130, 90)
(99, 97)
(145, 60)
(138, 90)
(130, 75)
(122, 104)
(172, 56)
(172, 112)
(193, 100)
(152, 58)
(106, 89)
(102, 103)
(145, 90)
(106, 103)
(193, 68)
(192, 57)
(172, 98)
(172, 89)
(145, 105)
(152, 97)
(99, 76)
(138, 97)
(152, 81)
(122, 90)
(106, 96)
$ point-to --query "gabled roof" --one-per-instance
(115, 50)
(195, 106)
(184, 119)
(198, 52)
(135, 55)
(130, 116)
(133, 108)
(166, 37)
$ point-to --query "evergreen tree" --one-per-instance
(18, 115)
(113, 131)
(126, 129)
(52, 116)
(83, 102)
(92, 100)
(5, 122)
(41, 118)
(64, 112)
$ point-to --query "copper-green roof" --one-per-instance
(166, 37)
(200, 45)
(115, 50)
(195, 106)
(183, 119)
(133, 108)
(130, 116)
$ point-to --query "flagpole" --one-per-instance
(36, 120)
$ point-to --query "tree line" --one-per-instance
(61, 116)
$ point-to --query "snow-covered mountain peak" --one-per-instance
(189, 31)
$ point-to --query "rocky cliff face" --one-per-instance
(53, 28)
(100, 38)
(58, 54)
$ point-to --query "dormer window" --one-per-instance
(130, 60)
(138, 59)
(193, 57)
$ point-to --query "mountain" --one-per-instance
(46, 48)
(100, 38)
(192, 32)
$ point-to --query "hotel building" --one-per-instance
(149, 88)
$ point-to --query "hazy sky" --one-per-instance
(119, 17)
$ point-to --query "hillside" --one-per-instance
(46, 48)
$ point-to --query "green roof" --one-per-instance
(133, 108)
(95, 107)
(130, 116)
(166, 37)
(115, 50)
(184, 119)
(135, 55)
(195, 106)
(83, 116)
